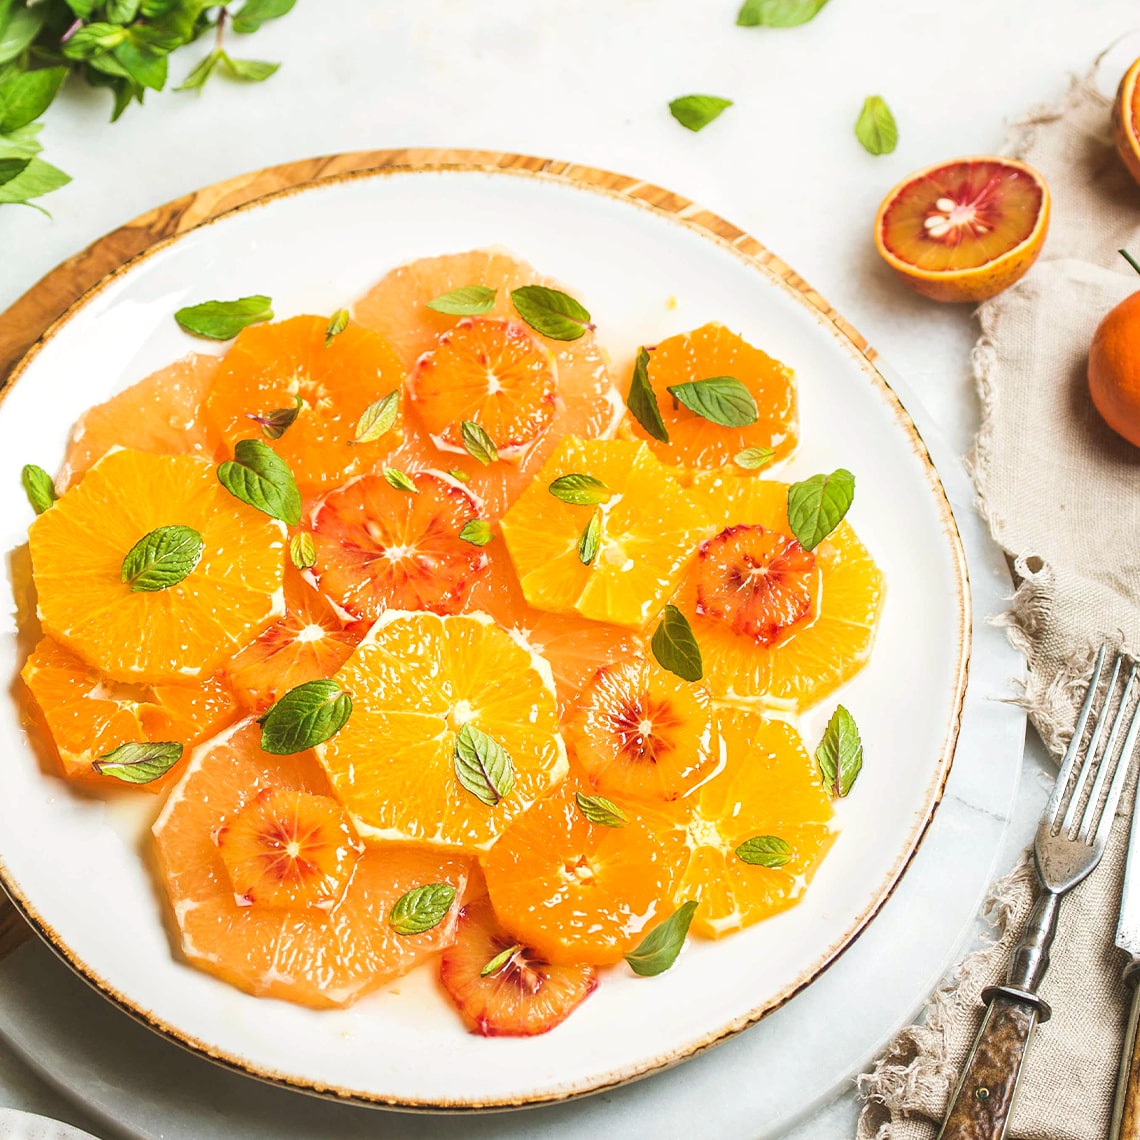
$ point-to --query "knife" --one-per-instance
(1126, 1109)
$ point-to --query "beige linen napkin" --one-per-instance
(1061, 494)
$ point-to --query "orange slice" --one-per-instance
(713, 350)
(271, 365)
(749, 653)
(172, 635)
(89, 715)
(314, 955)
(162, 413)
(639, 731)
(380, 548)
(1126, 120)
(416, 680)
(964, 230)
(494, 373)
(575, 891)
(312, 640)
(769, 787)
(649, 532)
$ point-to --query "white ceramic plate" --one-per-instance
(74, 864)
(16, 1125)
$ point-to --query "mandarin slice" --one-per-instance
(162, 413)
(495, 373)
(769, 787)
(312, 640)
(525, 996)
(270, 366)
(642, 732)
(89, 715)
(807, 660)
(650, 530)
(311, 955)
(176, 634)
(575, 891)
(381, 548)
(416, 680)
(707, 352)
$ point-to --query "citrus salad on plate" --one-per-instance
(446, 642)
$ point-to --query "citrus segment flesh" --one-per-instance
(650, 531)
(809, 659)
(639, 731)
(381, 548)
(312, 955)
(162, 413)
(769, 787)
(1126, 120)
(578, 892)
(964, 230)
(270, 366)
(710, 351)
(89, 715)
(493, 373)
(176, 634)
(416, 680)
(312, 640)
(525, 996)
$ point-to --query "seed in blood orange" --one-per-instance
(1126, 120)
(270, 366)
(640, 731)
(525, 996)
(316, 955)
(769, 787)
(492, 372)
(964, 230)
(89, 715)
(163, 414)
(757, 643)
(575, 891)
(381, 548)
(312, 640)
(178, 634)
(713, 350)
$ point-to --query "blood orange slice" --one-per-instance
(1126, 120)
(964, 230)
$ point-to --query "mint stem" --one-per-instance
(220, 29)
(1130, 259)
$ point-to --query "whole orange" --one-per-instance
(1114, 369)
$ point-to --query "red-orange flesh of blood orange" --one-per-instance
(758, 581)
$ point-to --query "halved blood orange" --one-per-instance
(492, 372)
(1126, 120)
(380, 548)
(964, 230)
(320, 956)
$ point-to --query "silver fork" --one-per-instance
(1071, 838)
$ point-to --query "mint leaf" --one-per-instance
(482, 765)
(753, 458)
(36, 179)
(658, 950)
(599, 810)
(260, 477)
(276, 423)
(721, 400)
(459, 476)
(478, 443)
(121, 11)
(579, 490)
(467, 301)
(778, 13)
(10, 167)
(818, 505)
(142, 62)
(675, 646)
(499, 960)
(551, 312)
(254, 13)
(304, 717)
(400, 481)
(421, 908)
(92, 40)
(377, 418)
(18, 30)
(223, 320)
(477, 532)
(303, 550)
(876, 128)
(202, 71)
(642, 400)
(26, 95)
(840, 753)
(139, 762)
(695, 112)
(38, 486)
(247, 70)
(162, 559)
(765, 851)
(591, 538)
(338, 322)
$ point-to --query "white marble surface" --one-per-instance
(589, 81)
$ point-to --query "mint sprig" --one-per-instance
(778, 13)
(658, 950)
(38, 486)
(421, 909)
(466, 301)
(139, 762)
(223, 320)
(695, 112)
(551, 312)
(257, 475)
(875, 128)
(304, 717)
(675, 646)
(162, 559)
(642, 400)
(482, 765)
(721, 400)
(840, 753)
(816, 506)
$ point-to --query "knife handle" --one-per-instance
(1126, 1109)
(981, 1105)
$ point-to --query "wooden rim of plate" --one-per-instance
(28, 323)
